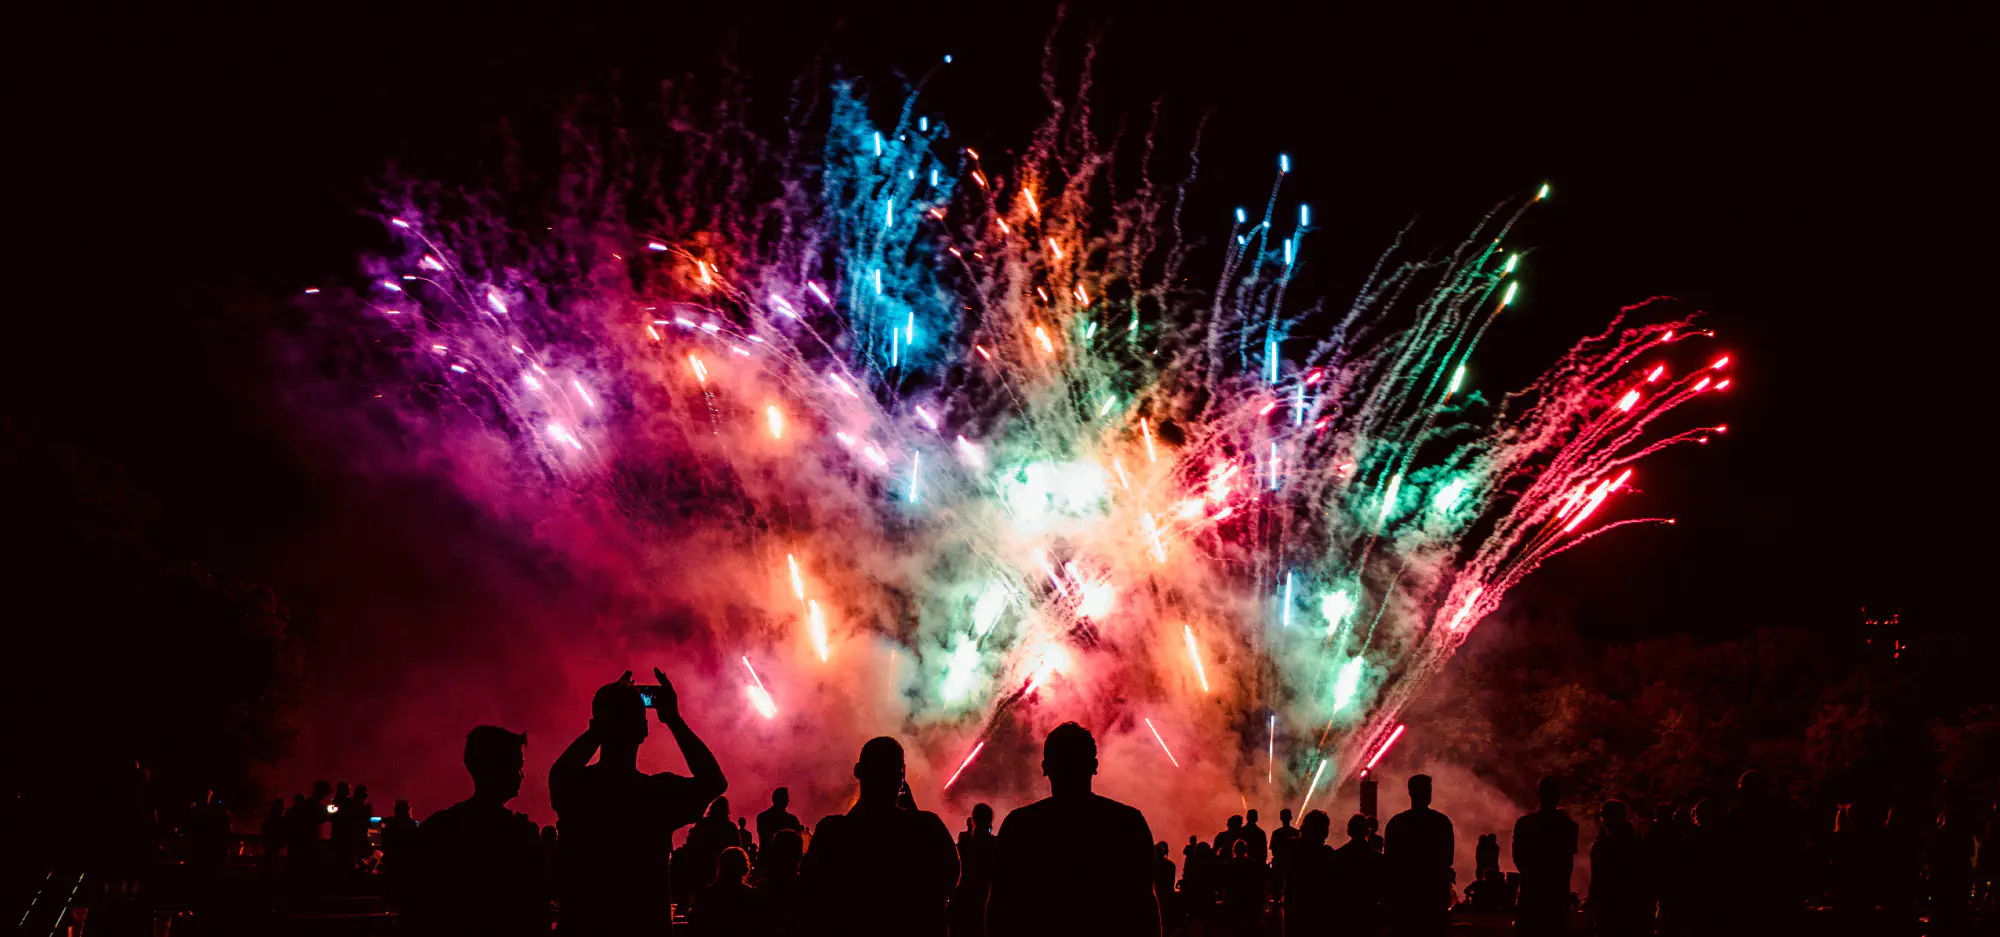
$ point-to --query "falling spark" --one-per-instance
(1312, 786)
(1384, 750)
(760, 699)
(964, 764)
(798, 582)
(816, 629)
(775, 419)
(1147, 431)
(1163, 744)
(1194, 655)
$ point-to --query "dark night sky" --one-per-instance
(1818, 182)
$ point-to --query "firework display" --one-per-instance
(974, 443)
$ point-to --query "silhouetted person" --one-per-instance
(776, 817)
(694, 862)
(1420, 844)
(1360, 878)
(776, 878)
(303, 822)
(1621, 900)
(1765, 884)
(1282, 840)
(744, 839)
(1225, 841)
(271, 836)
(398, 835)
(975, 874)
(727, 906)
(1486, 856)
(617, 824)
(1260, 846)
(1545, 852)
(1309, 887)
(1243, 891)
(1666, 841)
(477, 868)
(1074, 863)
(1163, 886)
(879, 868)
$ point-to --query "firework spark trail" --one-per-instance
(1011, 449)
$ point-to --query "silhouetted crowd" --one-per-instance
(1075, 862)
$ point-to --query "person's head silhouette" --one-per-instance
(1241, 850)
(982, 818)
(1250, 817)
(1359, 827)
(1314, 829)
(402, 810)
(493, 758)
(880, 771)
(732, 867)
(719, 808)
(1420, 791)
(1160, 849)
(1614, 815)
(618, 715)
(781, 856)
(1549, 792)
(1285, 816)
(781, 798)
(1236, 821)
(1069, 759)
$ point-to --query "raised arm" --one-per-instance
(704, 770)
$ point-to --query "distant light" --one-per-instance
(1305, 215)
(1544, 193)
(1241, 216)
(1512, 259)
(398, 222)
(655, 246)
(1284, 162)
(1508, 299)
(947, 60)
(924, 124)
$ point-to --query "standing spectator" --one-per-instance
(1545, 852)
(1075, 862)
(1163, 886)
(397, 833)
(1225, 841)
(617, 824)
(1486, 856)
(1282, 840)
(1420, 844)
(1254, 835)
(975, 874)
(271, 836)
(1310, 906)
(776, 817)
(880, 868)
(477, 868)
(727, 906)
(1360, 878)
(694, 862)
(1621, 901)
(776, 879)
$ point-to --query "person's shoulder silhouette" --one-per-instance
(879, 868)
(478, 867)
(1075, 862)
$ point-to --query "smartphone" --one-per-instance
(647, 694)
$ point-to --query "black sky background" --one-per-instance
(1817, 179)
